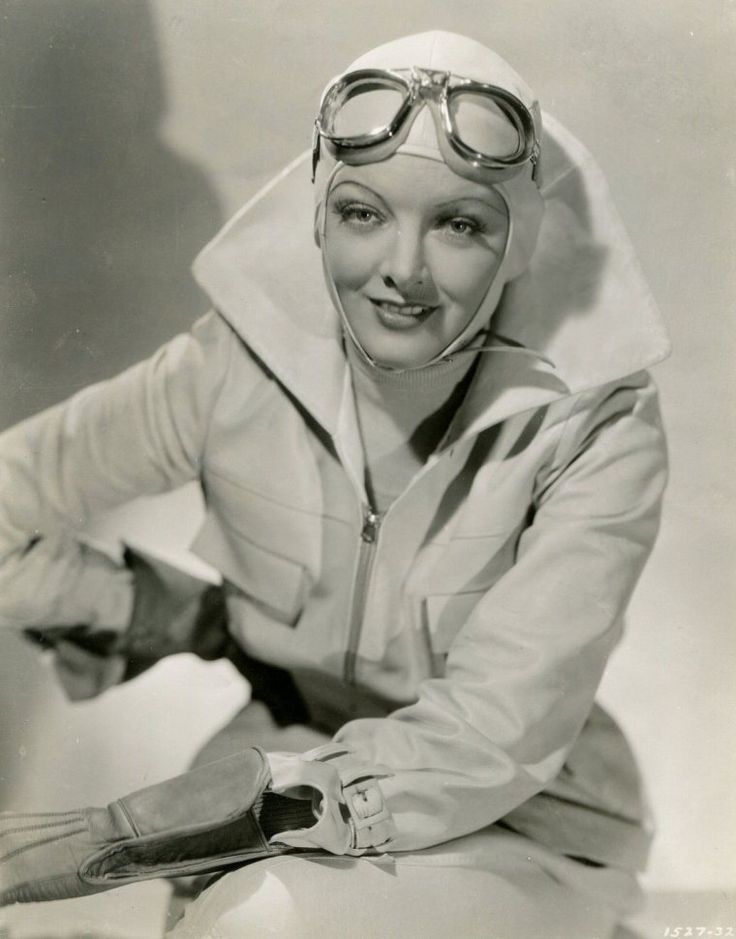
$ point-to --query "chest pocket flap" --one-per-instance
(276, 583)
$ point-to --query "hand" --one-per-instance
(214, 816)
(173, 612)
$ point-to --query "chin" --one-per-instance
(393, 353)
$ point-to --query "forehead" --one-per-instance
(405, 180)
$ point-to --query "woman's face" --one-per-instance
(412, 249)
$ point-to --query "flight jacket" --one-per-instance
(454, 644)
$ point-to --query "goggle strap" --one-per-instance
(315, 150)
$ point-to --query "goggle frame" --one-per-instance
(436, 89)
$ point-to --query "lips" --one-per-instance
(401, 316)
(406, 309)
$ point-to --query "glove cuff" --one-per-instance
(203, 820)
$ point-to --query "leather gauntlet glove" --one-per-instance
(217, 815)
(172, 612)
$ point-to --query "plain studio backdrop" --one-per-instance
(129, 131)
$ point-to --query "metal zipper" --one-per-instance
(366, 556)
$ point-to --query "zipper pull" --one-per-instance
(371, 521)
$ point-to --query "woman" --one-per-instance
(430, 500)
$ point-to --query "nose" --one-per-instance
(404, 267)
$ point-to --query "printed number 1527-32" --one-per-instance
(681, 932)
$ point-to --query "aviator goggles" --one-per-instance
(485, 133)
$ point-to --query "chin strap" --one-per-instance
(505, 345)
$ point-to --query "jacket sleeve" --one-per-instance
(524, 668)
(140, 433)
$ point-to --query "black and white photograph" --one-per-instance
(367, 506)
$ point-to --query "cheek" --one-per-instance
(349, 261)
(465, 275)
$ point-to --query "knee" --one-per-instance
(330, 897)
(285, 896)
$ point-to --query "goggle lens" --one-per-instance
(363, 109)
(483, 126)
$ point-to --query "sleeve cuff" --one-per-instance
(371, 823)
(351, 814)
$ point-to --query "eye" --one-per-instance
(358, 215)
(462, 226)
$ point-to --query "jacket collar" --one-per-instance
(583, 310)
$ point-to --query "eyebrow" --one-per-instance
(350, 182)
(447, 204)
(500, 209)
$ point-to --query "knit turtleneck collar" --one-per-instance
(402, 416)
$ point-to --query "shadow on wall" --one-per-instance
(100, 224)
(100, 219)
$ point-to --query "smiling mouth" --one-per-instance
(409, 310)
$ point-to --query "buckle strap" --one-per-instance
(371, 822)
